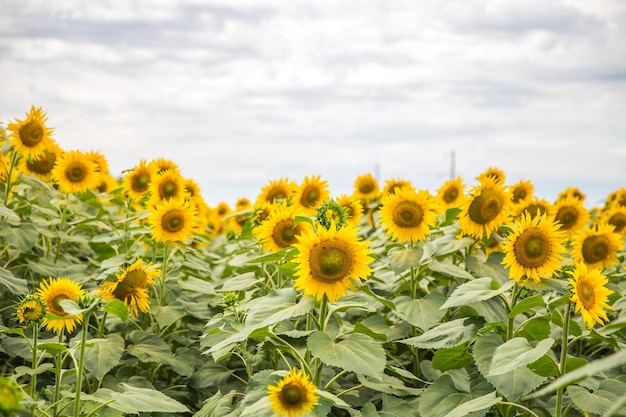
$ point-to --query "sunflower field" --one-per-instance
(132, 296)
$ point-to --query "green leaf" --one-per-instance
(117, 308)
(450, 269)
(52, 348)
(218, 405)
(12, 283)
(356, 353)
(535, 329)
(478, 289)
(422, 313)
(240, 282)
(197, 286)
(135, 400)
(609, 392)
(389, 385)
(102, 355)
(148, 347)
(361, 328)
(513, 384)
(452, 358)
(527, 304)
(477, 404)
(12, 218)
(451, 243)
(517, 352)
(492, 268)
(449, 334)
(403, 259)
(440, 398)
(210, 375)
(547, 365)
(22, 237)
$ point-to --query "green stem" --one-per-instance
(33, 381)
(521, 407)
(7, 189)
(166, 255)
(563, 360)
(81, 362)
(61, 229)
(511, 324)
(57, 372)
(323, 321)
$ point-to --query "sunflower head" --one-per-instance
(366, 188)
(590, 295)
(75, 172)
(571, 214)
(486, 209)
(616, 217)
(173, 220)
(277, 191)
(571, 192)
(353, 208)
(29, 137)
(494, 173)
(53, 292)
(279, 230)
(166, 185)
(136, 182)
(161, 165)
(131, 287)
(535, 207)
(31, 310)
(311, 193)
(522, 192)
(10, 397)
(294, 395)
(41, 166)
(408, 215)
(393, 184)
(330, 212)
(597, 246)
(451, 193)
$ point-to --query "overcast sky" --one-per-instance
(241, 92)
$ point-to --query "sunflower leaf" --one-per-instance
(517, 352)
(118, 308)
(102, 355)
(449, 334)
(478, 289)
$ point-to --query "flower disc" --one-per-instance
(295, 395)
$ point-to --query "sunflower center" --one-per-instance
(567, 216)
(168, 189)
(408, 214)
(278, 195)
(586, 295)
(141, 182)
(292, 395)
(331, 261)
(450, 195)
(596, 249)
(75, 172)
(32, 311)
(310, 196)
(486, 206)
(56, 305)
(618, 220)
(531, 249)
(43, 164)
(535, 210)
(126, 288)
(284, 234)
(31, 134)
(519, 194)
(173, 221)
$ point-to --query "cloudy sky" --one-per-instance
(241, 92)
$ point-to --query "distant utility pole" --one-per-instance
(452, 164)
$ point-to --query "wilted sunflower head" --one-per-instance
(311, 193)
(590, 294)
(53, 292)
(294, 395)
(30, 136)
(330, 212)
(31, 310)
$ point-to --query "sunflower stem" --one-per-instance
(166, 255)
(57, 372)
(323, 321)
(8, 184)
(33, 381)
(81, 362)
(61, 229)
(511, 323)
(563, 361)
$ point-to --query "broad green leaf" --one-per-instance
(422, 313)
(361, 328)
(451, 243)
(449, 334)
(535, 329)
(441, 398)
(117, 308)
(356, 353)
(12, 283)
(198, 286)
(210, 375)
(102, 355)
(600, 400)
(240, 282)
(450, 269)
(148, 347)
(478, 289)
(52, 348)
(517, 352)
(403, 259)
(477, 404)
(527, 304)
(452, 358)
(12, 218)
(25, 370)
(389, 385)
(548, 366)
(22, 237)
(135, 400)
(513, 384)
(167, 314)
(218, 405)
(492, 268)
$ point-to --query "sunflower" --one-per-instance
(534, 248)
(31, 310)
(522, 191)
(597, 246)
(294, 395)
(451, 193)
(535, 207)
(486, 208)
(163, 164)
(108, 183)
(590, 294)
(617, 197)
(311, 193)
(100, 160)
(394, 184)
(279, 230)
(30, 137)
(173, 220)
(136, 182)
(407, 215)
(330, 261)
(494, 173)
(353, 207)
(75, 173)
(223, 209)
(131, 287)
(573, 192)
(366, 188)
(571, 213)
(192, 188)
(237, 221)
(616, 217)
(166, 185)
(277, 191)
(53, 292)
(41, 166)
(331, 212)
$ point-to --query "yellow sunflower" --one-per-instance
(534, 249)
(572, 192)
(597, 246)
(331, 261)
(75, 172)
(277, 191)
(53, 292)
(192, 188)
(29, 137)
(590, 294)
(451, 193)
(166, 185)
(486, 208)
(311, 193)
(173, 220)
(223, 209)
(237, 221)
(294, 395)
(616, 217)
(163, 164)
(617, 197)
(366, 188)
(214, 224)
(100, 160)
(522, 192)
(407, 215)
(31, 310)
(131, 287)
(41, 166)
(494, 173)
(108, 183)
(394, 184)
(535, 207)
(279, 231)
(136, 182)
(571, 213)
(353, 207)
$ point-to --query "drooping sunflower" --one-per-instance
(571, 213)
(173, 220)
(486, 208)
(407, 215)
(494, 173)
(366, 188)
(277, 191)
(31, 310)
(590, 294)
(535, 207)
(75, 172)
(573, 192)
(331, 261)
(393, 184)
(279, 230)
(53, 292)
(131, 287)
(41, 166)
(29, 137)
(534, 249)
(353, 207)
(597, 246)
(294, 395)
(616, 217)
(522, 192)
(165, 186)
(451, 193)
(311, 193)
(136, 182)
